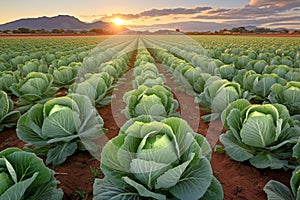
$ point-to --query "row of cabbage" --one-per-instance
(279, 50)
(56, 127)
(219, 94)
(278, 84)
(155, 156)
(32, 85)
(17, 54)
(266, 135)
(261, 150)
(260, 64)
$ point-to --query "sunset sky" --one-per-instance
(140, 13)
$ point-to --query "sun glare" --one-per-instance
(118, 21)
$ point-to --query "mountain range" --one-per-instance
(64, 22)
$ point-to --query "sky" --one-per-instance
(142, 13)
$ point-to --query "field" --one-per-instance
(193, 78)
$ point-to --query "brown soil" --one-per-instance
(240, 181)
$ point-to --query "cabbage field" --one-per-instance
(150, 117)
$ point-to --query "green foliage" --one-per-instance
(33, 65)
(61, 126)
(226, 72)
(96, 87)
(7, 79)
(262, 134)
(64, 75)
(217, 94)
(24, 176)
(147, 74)
(8, 117)
(155, 101)
(278, 191)
(35, 88)
(288, 95)
(116, 67)
(159, 160)
(196, 78)
(259, 86)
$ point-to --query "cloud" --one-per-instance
(158, 13)
(91, 16)
(256, 12)
(261, 22)
(278, 3)
(285, 24)
(217, 11)
(123, 16)
(173, 11)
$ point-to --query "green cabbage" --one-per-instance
(155, 101)
(263, 134)
(24, 176)
(157, 160)
(8, 117)
(61, 126)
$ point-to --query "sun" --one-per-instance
(118, 21)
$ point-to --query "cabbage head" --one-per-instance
(226, 72)
(64, 75)
(60, 127)
(7, 78)
(33, 65)
(96, 87)
(259, 86)
(24, 176)
(196, 78)
(155, 101)
(157, 160)
(288, 95)
(218, 93)
(148, 79)
(8, 117)
(293, 75)
(148, 75)
(257, 65)
(280, 70)
(143, 56)
(35, 88)
(145, 66)
(263, 134)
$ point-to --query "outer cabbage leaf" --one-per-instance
(31, 178)
(8, 117)
(60, 126)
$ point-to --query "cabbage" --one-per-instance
(8, 117)
(263, 134)
(25, 176)
(61, 126)
(157, 160)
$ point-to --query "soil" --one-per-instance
(240, 181)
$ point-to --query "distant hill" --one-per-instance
(64, 22)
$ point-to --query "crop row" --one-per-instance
(156, 154)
